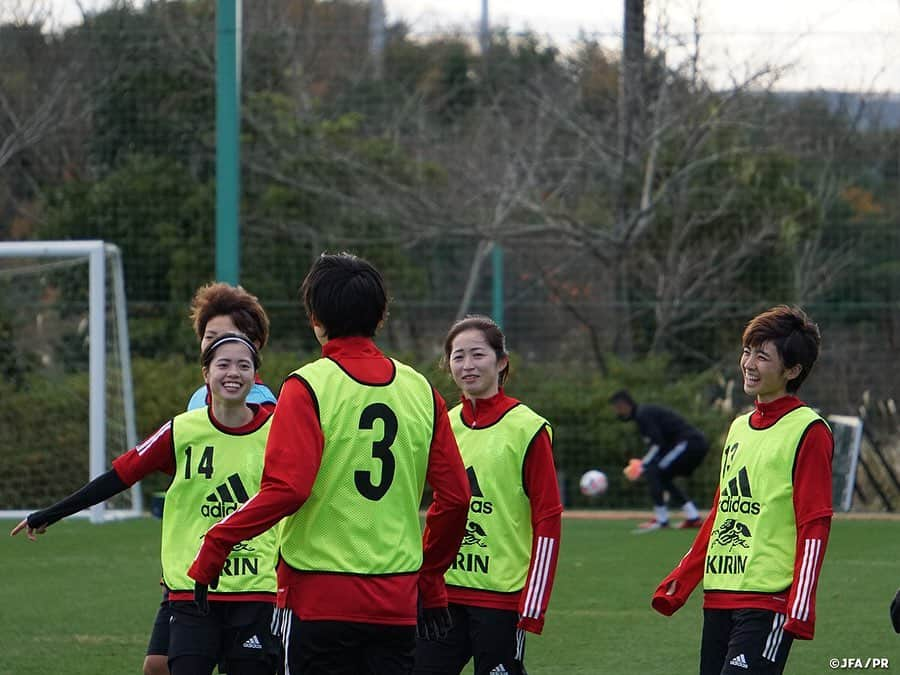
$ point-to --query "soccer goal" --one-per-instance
(848, 433)
(68, 402)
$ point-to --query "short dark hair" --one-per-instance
(221, 299)
(622, 396)
(346, 295)
(492, 333)
(793, 334)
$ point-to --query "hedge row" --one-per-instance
(45, 456)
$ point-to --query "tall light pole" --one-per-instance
(228, 132)
(497, 266)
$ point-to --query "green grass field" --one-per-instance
(81, 601)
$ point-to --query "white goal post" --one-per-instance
(98, 254)
(848, 432)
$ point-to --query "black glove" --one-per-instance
(895, 612)
(200, 595)
(434, 623)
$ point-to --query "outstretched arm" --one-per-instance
(101, 488)
(153, 454)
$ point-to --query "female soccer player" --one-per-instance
(760, 552)
(215, 457)
(216, 308)
(219, 308)
(500, 582)
(355, 437)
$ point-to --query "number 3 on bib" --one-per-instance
(381, 450)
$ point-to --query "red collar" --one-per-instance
(483, 412)
(338, 348)
(766, 414)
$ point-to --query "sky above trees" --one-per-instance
(828, 44)
(832, 44)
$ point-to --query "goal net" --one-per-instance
(847, 431)
(68, 406)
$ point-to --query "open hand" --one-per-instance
(31, 532)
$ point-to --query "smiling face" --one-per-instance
(765, 376)
(474, 365)
(230, 373)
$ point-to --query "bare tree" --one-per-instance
(673, 250)
(36, 105)
(42, 108)
(664, 224)
(21, 131)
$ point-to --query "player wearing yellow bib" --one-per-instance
(760, 552)
(499, 585)
(215, 457)
(216, 308)
(355, 436)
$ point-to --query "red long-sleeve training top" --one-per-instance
(542, 488)
(813, 509)
(157, 453)
(293, 454)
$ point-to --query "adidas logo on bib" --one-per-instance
(739, 661)
(226, 498)
(499, 670)
(254, 643)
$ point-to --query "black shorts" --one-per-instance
(159, 636)
(344, 647)
(490, 637)
(741, 641)
(232, 631)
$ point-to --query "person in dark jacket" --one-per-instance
(674, 448)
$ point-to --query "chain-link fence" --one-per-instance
(624, 245)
